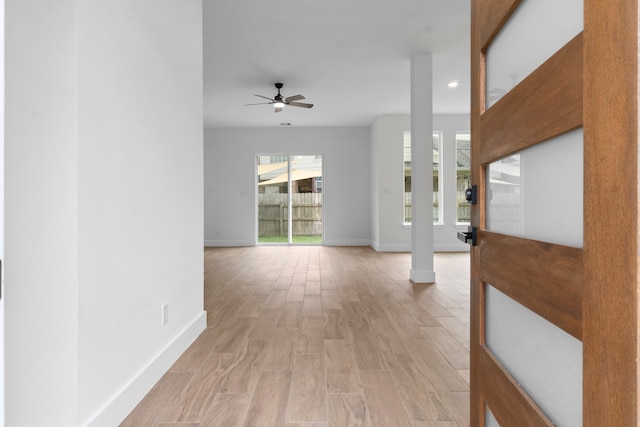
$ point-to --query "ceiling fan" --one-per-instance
(279, 101)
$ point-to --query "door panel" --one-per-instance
(546, 104)
(509, 403)
(508, 63)
(544, 277)
(543, 359)
(527, 282)
(589, 290)
(537, 193)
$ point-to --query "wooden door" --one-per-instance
(588, 291)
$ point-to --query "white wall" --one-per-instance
(375, 194)
(387, 138)
(141, 207)
(388, 231)
(41, 276)
(2, 27)
(104, 203)
(230, 182)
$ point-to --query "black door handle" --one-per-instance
(469, 236)
(471, 194)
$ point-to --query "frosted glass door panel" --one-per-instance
(504, 201)
(535, 31)
(547, 179)
(544, 360)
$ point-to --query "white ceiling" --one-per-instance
(350, 58)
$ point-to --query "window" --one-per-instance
(463, 176)
(437, 194)
(407, 177)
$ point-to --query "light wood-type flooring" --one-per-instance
(313, 336)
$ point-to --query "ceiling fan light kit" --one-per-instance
(279, 101)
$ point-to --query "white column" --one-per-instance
(422, 169)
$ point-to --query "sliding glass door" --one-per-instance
(273, 199)
(306, 199)
(289, 199)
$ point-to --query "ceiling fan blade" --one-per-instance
(278, 109)
(260, 96)
(301, 104)
(294, 98)
(259, 103)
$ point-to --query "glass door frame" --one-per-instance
(290, 156)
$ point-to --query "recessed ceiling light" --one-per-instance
(453, 83)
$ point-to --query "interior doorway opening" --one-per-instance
(290, 199)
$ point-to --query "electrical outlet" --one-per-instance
(165, 314)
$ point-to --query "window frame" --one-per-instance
(458, 193)
(440, 220)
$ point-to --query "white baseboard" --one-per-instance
(406, 247)
(235, 243)
(451, 247)
(385, 247)
(348, 242)
(398, 247)
(422, 276)
(116, 410)
(228, 243)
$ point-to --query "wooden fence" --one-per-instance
(273, 214)
(307, 213)
(464, 208)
